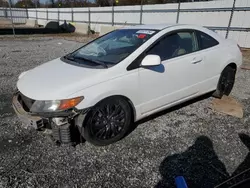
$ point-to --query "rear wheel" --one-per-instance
(107, 122)
(226, 82)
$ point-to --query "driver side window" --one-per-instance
(175, 44)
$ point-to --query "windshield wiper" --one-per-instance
(73, 58)
(93, 61)
(69, 57)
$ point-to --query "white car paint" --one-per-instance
(149, 91)
(151, 60)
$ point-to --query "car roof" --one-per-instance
(162, 26)
(182, 26)
(151, 26)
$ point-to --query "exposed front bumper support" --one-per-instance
(26, 119)
(65, 131)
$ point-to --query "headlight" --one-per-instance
(55, 105)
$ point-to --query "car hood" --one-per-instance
(57, 80)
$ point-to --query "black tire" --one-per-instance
(226, 82)
(107, 122)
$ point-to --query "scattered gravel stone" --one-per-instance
(190, 139)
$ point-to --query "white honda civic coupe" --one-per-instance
(99, 90)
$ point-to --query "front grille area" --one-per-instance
(25, 102)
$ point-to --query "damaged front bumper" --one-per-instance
(26, 118)
(64, 125)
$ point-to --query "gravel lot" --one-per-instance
(191, 140)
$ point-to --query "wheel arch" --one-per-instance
(131, 105)
(232, 65)
(218, 93)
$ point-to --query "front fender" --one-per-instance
(126, 86)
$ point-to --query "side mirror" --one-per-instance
(151, 60)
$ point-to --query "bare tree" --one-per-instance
(24, 4)
(3, 3)
(103, 3)
(138, 2)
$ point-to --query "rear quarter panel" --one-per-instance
(231, 54)
(225, 53)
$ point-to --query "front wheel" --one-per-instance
(226, 82)
(107, 122)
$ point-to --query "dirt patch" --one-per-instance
(246, 58)
(246, 53)
(228, 105)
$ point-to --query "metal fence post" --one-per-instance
(27, 13)
(178, 12)
(72, 15)
(13, 29)
(113, 15)
(231, 18)
(58, 15)
(47, 14)
(89, 22)
(36, 15)
(5, 13)
(141, 11)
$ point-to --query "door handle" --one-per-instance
(195, 61)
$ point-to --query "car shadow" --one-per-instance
(174, 108)
(199, 165)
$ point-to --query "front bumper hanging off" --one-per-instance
(64, 130)
(26, 119)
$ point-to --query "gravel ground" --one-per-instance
(191, 140)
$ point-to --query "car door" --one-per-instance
(176, 78)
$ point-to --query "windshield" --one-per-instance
(112, 48)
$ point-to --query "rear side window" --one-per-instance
(176, 44)
(206, 41)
